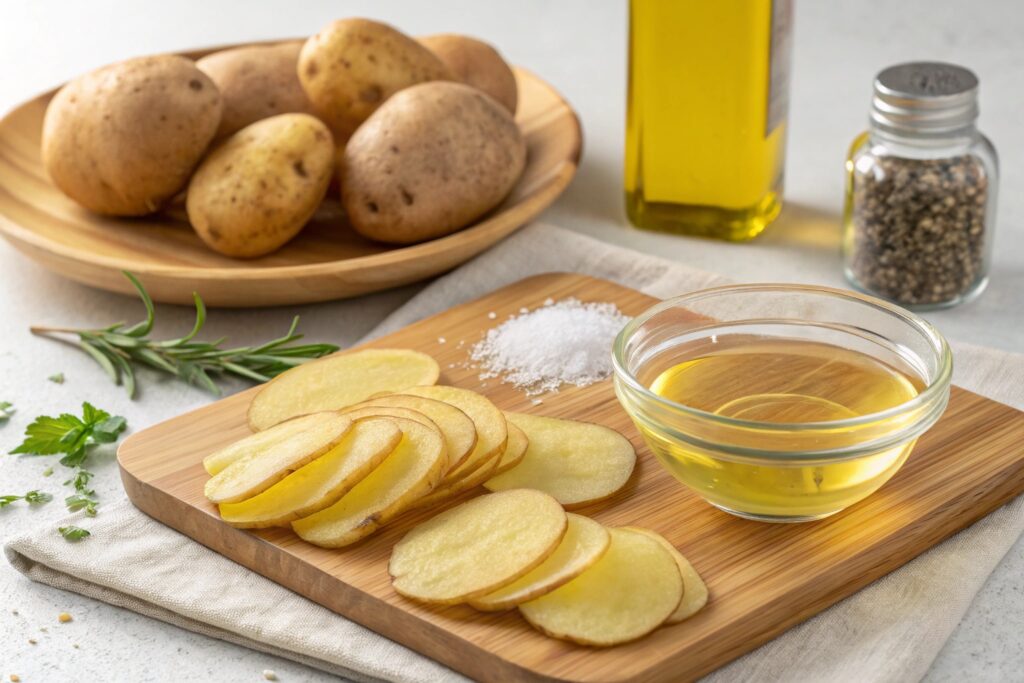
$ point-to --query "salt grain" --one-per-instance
(568, 342)
(492, 315)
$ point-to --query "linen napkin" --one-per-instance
(889, 631)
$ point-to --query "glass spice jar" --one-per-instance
(921, 190)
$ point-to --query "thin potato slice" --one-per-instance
(491, 427)
(412, 469)
(695, 592)
(458, 430)
(320, 483)
(339, 381)
(479, 546)
(272, 455)
(515, 448)
(584, 543)
(362, 412)
(625, 595)
(576, 462)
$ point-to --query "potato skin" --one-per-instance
(431, 160)
(353, 65)
(256, 82)
(258, 189)
(123, 139)
(476, 63)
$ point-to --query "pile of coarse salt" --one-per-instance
(568, 342)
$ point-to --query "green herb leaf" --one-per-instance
(119, 349)
(82, 501)
(57, 378)
(6, 410)
(7, 500)
(37, 497)
(73, 533)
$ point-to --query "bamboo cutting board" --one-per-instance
(763, 578)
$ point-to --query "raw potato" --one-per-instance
(695, 592)
(412, 469)
(491, 427)
(584, 543)
(433, 159)
(257, 190)
(476, 63)
(515, 448)
(124, 139)
(458, 430)
(320, 483)
(353, 65)
(477, 547)
(256, 82)
(271, 456)
(576, 462)
(339, 381)
(360, 412)
(627, 594)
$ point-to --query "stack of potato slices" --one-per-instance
(570, 577)
(343, 445)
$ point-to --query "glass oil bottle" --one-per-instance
(706, 115)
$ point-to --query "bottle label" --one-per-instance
(779, 64)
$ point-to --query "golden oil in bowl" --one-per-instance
(787, 417)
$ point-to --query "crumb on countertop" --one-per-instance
(269, 675)
(63, 617)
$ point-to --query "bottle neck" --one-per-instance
(915, 144)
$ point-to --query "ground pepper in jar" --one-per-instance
(921, 190)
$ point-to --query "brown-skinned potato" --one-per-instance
(258, 188)
(353, 66)
(476, 63)
(123, 139)
(256, 82)
(431, 160)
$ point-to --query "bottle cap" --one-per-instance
(924, 99)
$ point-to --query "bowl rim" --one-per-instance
(933, 391)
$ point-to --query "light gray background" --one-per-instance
(580, 47)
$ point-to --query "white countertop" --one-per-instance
(580, 47)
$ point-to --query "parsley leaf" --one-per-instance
(57, 378)
(32, 498)
(71, 435)
(6, 410)
(73, 533)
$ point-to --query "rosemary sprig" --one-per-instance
(119, 348)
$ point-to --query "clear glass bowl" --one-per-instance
(791, 471)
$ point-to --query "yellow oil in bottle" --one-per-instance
(784, 381)
(706, 115)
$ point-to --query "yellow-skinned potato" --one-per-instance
(256, 82)
(695, 591)
(258, 189)
(353, 65)
(123, 139)
(476, 63)
(431, 160)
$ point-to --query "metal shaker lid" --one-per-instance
(924, 99)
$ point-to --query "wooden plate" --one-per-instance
(327, 261)
(763, 578)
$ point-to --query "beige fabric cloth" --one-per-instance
(890, 631)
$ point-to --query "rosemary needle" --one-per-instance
(120, 348)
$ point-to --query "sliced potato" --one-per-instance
(515, 448)
(491, 428)
(319, 483)
(584, 543)
(695, 591)
(271, 456)
(339, 381)
(627, 594)
(412, 469)
(477, 547)
(458, 430)
(576, 462)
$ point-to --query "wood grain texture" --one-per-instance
(763, 578)
(328, 260)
